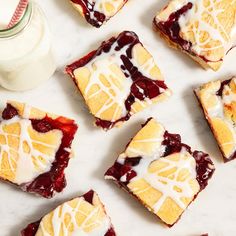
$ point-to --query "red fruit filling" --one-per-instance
(31, 229)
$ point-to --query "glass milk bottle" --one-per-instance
(26, 58)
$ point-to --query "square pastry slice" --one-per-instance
(83, 215)
(97, 12)
(218, 101)
(118, 79)
(204, 29)
(34, 148)
(163, 173)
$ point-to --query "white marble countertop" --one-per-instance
(214, 211)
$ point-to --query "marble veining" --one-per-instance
(95, 150)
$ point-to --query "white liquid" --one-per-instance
(26, 59)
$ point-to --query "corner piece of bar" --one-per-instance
(97, 12)
(118, 79)
(163, 173)
(84, 215)
(218, 102)
(203, 29)
(34, 148)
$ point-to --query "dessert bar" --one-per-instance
(163, 173)
(118, 79)
(34, 148)
(218, 101)
(83, 215)
(204, 29)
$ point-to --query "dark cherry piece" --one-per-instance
(89, 196)
(150, 88)
(110, 232)
(9, 112)
(203, 168)
(223, 83)
(53, 180)
(171, 28)
(32, 228)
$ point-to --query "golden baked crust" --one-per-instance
(203, 29)
(83, 215)
(160, 171)
(218, 100)
(114, 90)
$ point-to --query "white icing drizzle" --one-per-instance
(25, 170)
(216, 32)
(26, 112)
(145, 68)
(218, 109)
(166, 185)
(167, 189)
(163, 184)
(58, 221)
(119, 91)
(101, 66)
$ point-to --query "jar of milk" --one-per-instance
(26, 58)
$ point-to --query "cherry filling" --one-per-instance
(53, 180)
(118, 170)
(110, 232)
(89, 196)
(204, 168)
(142, 87)
(173, 144)
(32, 228)
(171, 28)
(9, 112)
